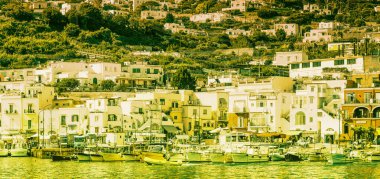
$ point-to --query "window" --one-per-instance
(148, 71)
(359, 81)
(300, 118)
(367, 97)
(295, 66)
(141, 110)
(261, 104)
(252, 104)
(174, 104)
(271, 119)
(111, 102)
(63, 120)
(10, 108)
(189, 127)
(96, 130)
(311, 98)
(96, 118)
(205, 111)
(29, 124)
(312, 89)
(319, 114)
(112, 117)
(305, 65)
(240, 122)
(194, 111)
(271, 104)
(175, 117)
(338, 62)
(351, 61)
(156, 71)
(335, 106)
(316, 64)
(311, 119)
(30, 108)
(162, 101)
(136, 70)
(74, 118)
(350, 97)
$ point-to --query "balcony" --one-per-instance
(11, 112)
(29, 111)
(240, 109)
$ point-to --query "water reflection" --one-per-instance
(39, 168)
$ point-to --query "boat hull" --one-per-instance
(151, 161)
(63, 158)
(112, 157)
(289, 157)
(339, 159)
(19, 153)
(245, 158)
(317, 158)
(277, 157)
(218, 158)
(4, 153)
(196, 157)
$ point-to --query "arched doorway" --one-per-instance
(376, 112)
(94, 81)
(300, 118)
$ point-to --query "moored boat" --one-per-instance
(293, 157)
(338, 158)
(19, 150)
(276, 157)
(56, 158)
(151, 161)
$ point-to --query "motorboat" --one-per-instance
(56, 158)
(4, 152)
(198, 154)
(111, 154)
(151, 161)
(131, 152)
(252, 154)
(178, 153)
(276, 157)
(293, 157)
(157, 152)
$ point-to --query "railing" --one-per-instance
(29, 111)
(240, 110)
(11, 112)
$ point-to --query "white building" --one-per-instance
(316, 68)
(209, 17)
(327, 25)
(284, 58)
(315, 107)
(290, 29)
(150, 14)
(236, 32)
(239, 5)
(317, 35)
(69, 6)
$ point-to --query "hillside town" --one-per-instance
(221, 80)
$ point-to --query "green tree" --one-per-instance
(72, 30)
(18, 12)
(54, 18)
(169, 18)
(266, 13)
(107, 85)
(183, 79)
(87, 17)
(67, 84)
(281, 35)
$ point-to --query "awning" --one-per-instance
(270, 134)
(170, 129)
(290, 133)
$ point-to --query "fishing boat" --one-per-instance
(293, 157)
(178, 153)
(151, 161)
(374, 157)
(317, 156)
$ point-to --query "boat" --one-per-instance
(19, 150)
(56, 158)
(111, 154)
(293, 157)
(157, 152)
(252, 154)
(178, 153)
(151, 161)
(339, 158)
(198, 154)
(131, 152)
(317, 157)
(218, 157)
(276, 157)
(4, 152)
(90, 154)
(374, 157)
